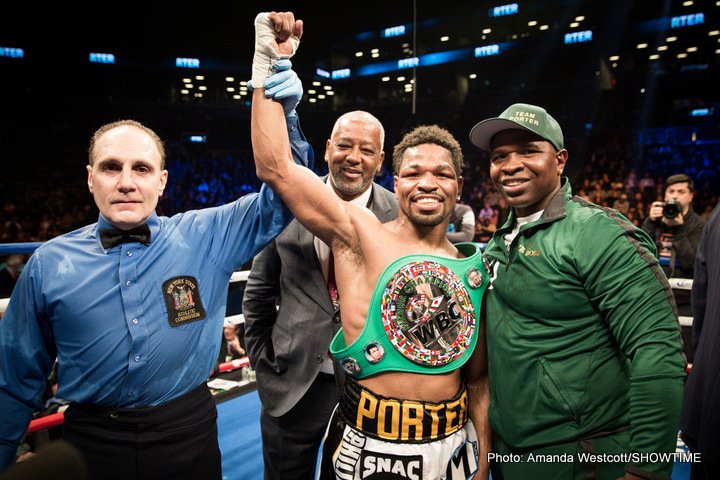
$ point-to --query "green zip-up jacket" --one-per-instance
(582, 333)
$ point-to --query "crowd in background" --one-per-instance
(627, 178)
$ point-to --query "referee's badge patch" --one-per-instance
(182, 297)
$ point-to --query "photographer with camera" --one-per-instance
(675, 227)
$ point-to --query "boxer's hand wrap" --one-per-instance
(266, 48)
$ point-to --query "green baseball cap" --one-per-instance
(518, 115)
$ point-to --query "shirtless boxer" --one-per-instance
(412, 413)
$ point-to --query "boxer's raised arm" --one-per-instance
(312, 203)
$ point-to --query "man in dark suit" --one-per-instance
(288, 346)
(700, 421)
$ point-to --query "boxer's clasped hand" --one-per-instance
(277, 35)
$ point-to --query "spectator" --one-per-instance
(9, 273)
(622, 204)
(231, 347)
(675, 227)
(461, 227)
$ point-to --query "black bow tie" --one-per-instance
(109, 237)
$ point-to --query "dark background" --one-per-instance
(53, 99)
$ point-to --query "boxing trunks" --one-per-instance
(371, 437)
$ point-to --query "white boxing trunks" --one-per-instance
(371, 437)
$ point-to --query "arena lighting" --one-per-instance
(10, 52)
(578, 37)
(687, 20)
(322, 73)
(197, 138)
(394, 31)
(423, 61)
(107, 58)
(700, 112)
(187, 62)
(408, 63)
(504, 10)
(487, 50)
(342, 73)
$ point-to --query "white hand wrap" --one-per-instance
(265, 54)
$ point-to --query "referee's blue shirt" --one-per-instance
(135, 325)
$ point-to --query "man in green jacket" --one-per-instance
(585, 364)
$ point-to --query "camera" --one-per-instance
(671, 209)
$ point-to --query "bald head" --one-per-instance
(361, 116)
